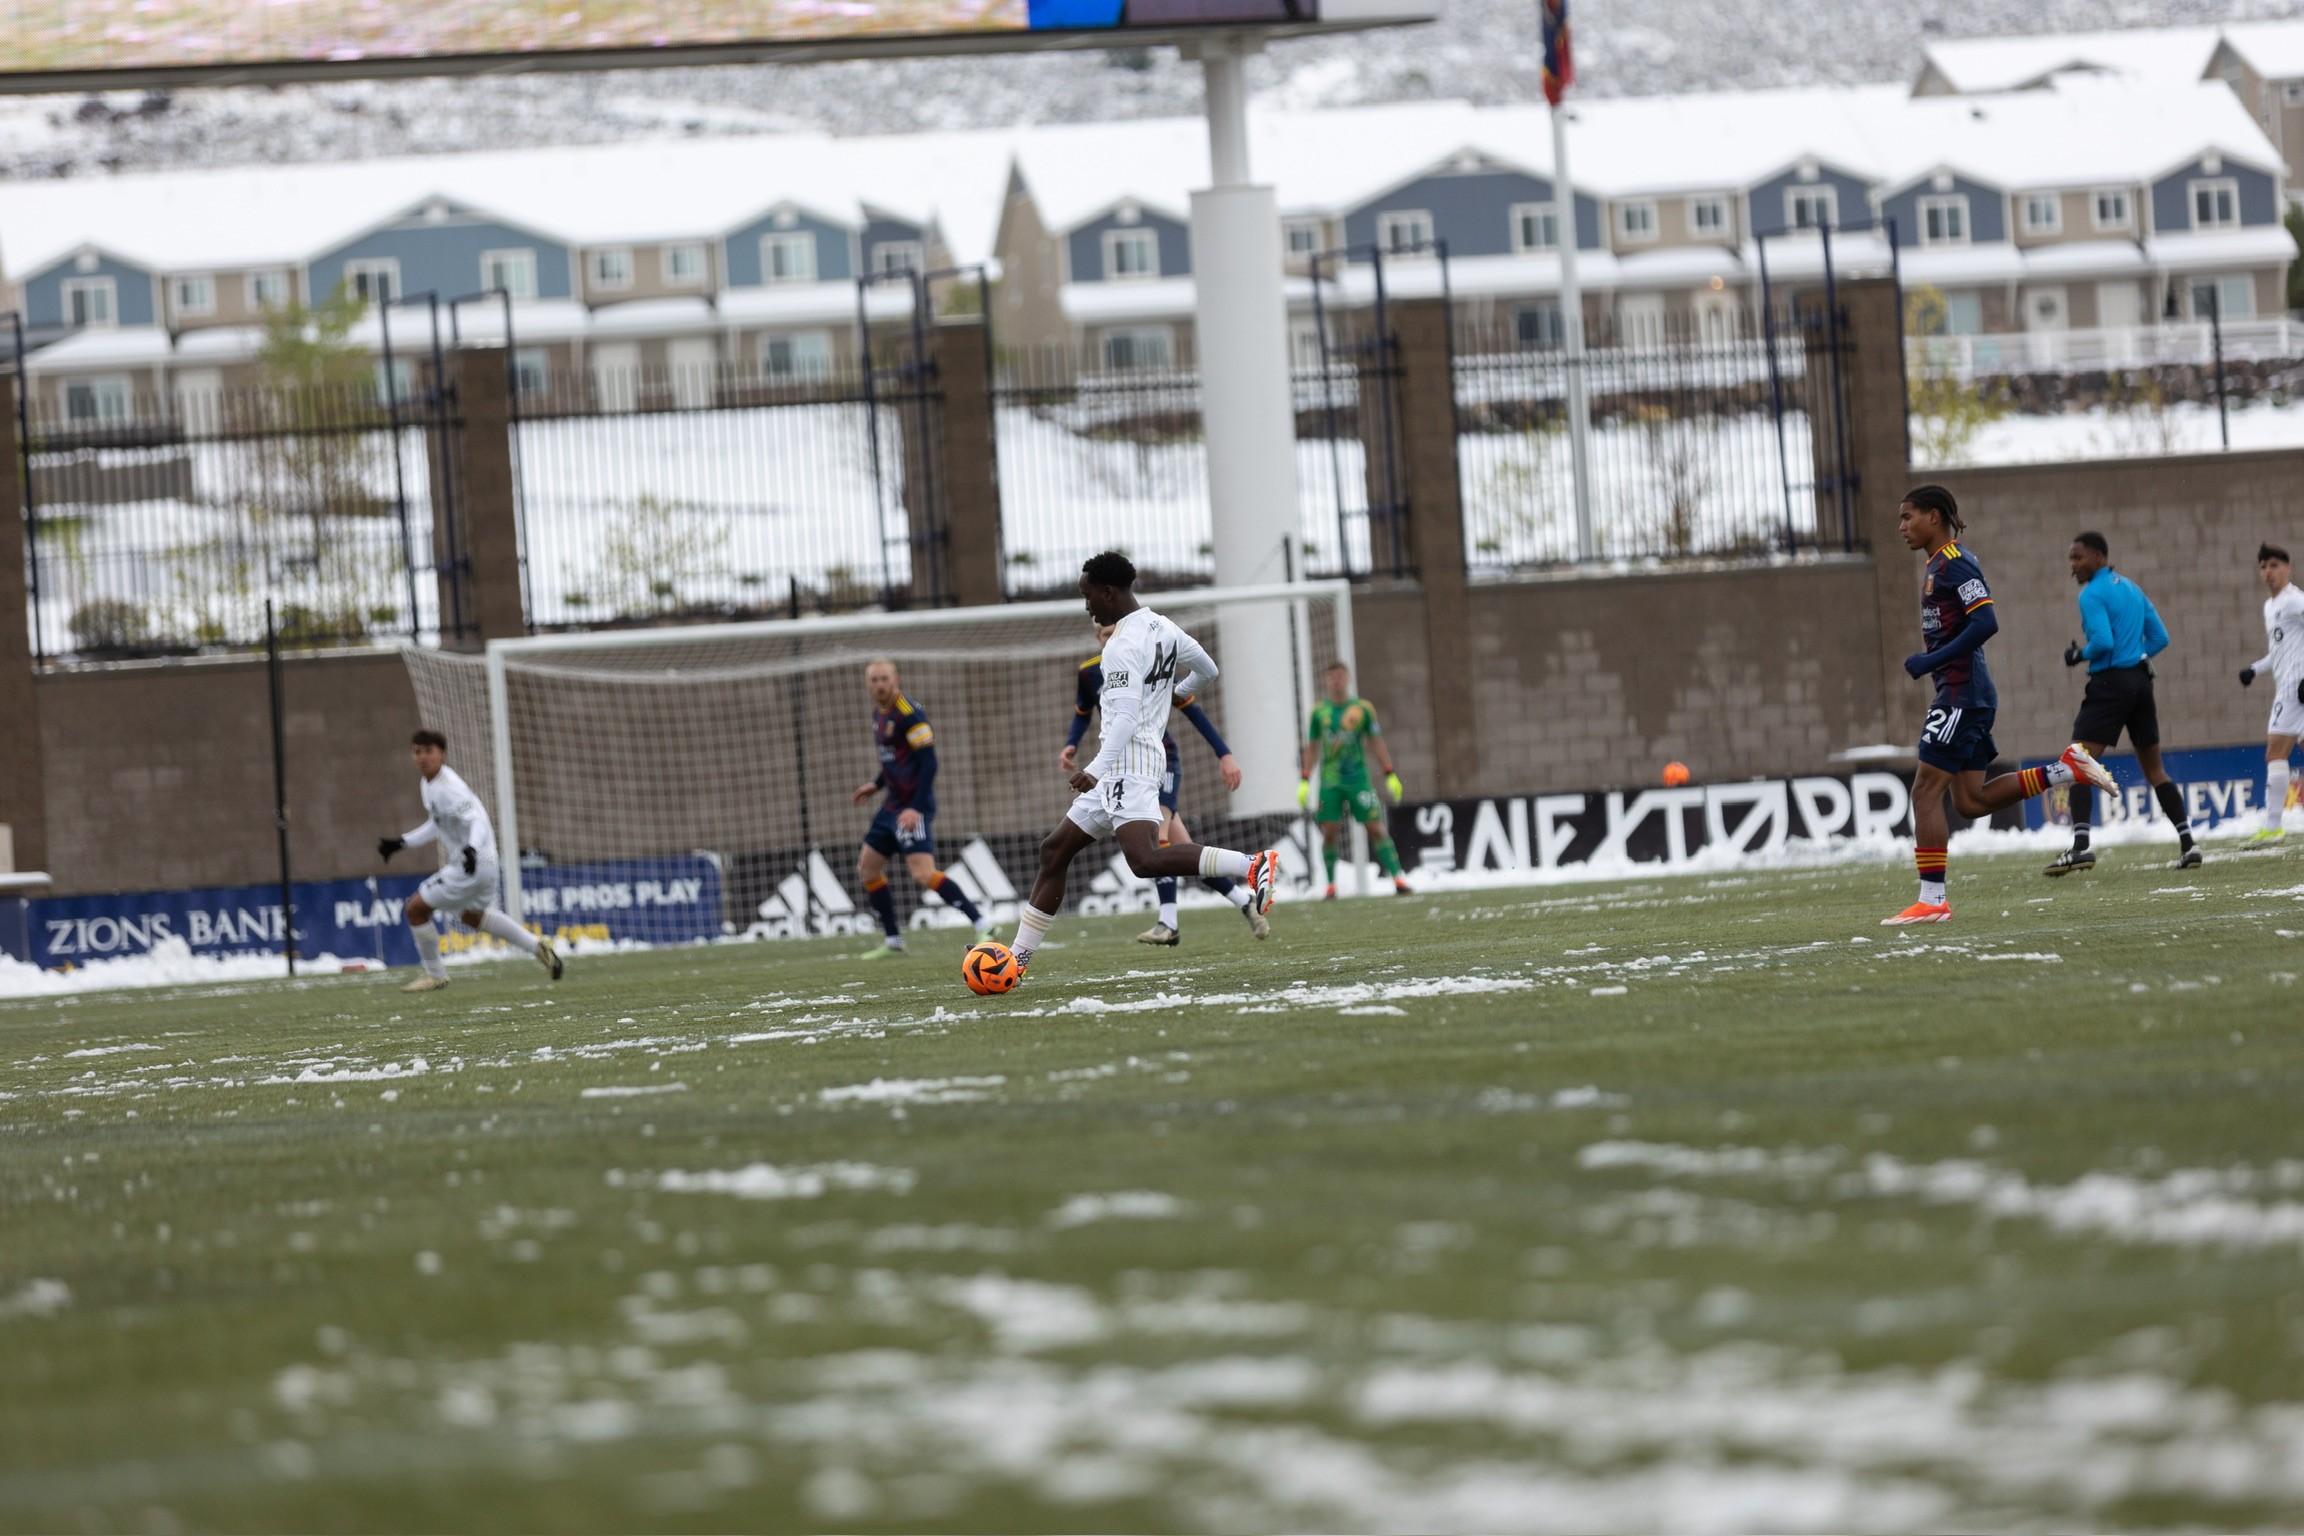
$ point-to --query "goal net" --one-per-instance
(685, 783)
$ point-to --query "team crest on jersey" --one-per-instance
(1352, 718)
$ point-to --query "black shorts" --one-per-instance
(2118, 699)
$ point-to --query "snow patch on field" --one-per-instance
(36, 1298)
(329, 1072)
(766, 1181)
(106, 1050)
(2238, 1207)
(633, 1091)
(1121, 1205)
(913, 1090)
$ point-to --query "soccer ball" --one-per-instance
(1675, 775)
(990, 968)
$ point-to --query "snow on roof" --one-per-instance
(2274, 49)
(2150, 55)
(2081, 132)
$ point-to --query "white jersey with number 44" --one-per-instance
(2284, 637)
(1147, 662)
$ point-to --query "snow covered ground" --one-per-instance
(2099, 434)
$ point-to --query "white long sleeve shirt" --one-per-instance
(455, 818)
(1148, 661)
(2284, 637)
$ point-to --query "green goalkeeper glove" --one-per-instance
(1304, 793)
(1392, 788)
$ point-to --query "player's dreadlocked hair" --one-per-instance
(1936, 499)
(1110, 569)
(2266, 552)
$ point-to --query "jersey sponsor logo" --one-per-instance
(1972, 591)
(1115, 679)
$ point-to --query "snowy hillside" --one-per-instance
(1482, 50)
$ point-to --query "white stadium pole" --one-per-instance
(507, 805)
(1572, 340)
(1250, 421)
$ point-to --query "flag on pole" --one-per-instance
(1559, 58)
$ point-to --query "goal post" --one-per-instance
(693, 781)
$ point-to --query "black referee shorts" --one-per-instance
(2118, 699)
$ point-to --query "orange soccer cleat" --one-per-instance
(1263, 881)
(1920, 912)
(2085, 768)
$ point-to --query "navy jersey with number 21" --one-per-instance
(1954, 593)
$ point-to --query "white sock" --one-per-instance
(2275, 794)
(1032, 926)
(1224, 862)
(1240, 896)
(428, 947)
(1932, 892)
(499, 925)
(2060, 772)
(1168, 913)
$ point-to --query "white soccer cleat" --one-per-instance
(426, 984)
(1258, 924)
(2086, 768)
(549, 958)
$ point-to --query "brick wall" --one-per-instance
(159, 775)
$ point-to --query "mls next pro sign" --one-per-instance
(52, 45)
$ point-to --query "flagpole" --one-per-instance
(1572, 339)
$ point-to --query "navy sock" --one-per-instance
(1165, 889)
(883, 902)
(956, 898)
(1219, 885)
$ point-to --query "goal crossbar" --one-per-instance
(506, 654)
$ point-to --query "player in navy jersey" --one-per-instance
(1168, 930)
(905, 822)
(1956, 747)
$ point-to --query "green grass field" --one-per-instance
(1685, 1204)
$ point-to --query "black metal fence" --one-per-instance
(161, 525)
(1704, 441)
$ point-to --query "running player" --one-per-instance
(1147, 662)
(2284, 659)
(905, 822)
(465, 882)
(1342, 735)
(1169, 930)
(1956, 746)
(2124, 633)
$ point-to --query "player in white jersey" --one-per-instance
(465, 882)
(1147, 662)
(2284, 659)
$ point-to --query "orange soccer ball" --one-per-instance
(990, 968)
(1675, 775)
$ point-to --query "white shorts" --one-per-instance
(1120, 798)
(2287, 715)
(449, 889)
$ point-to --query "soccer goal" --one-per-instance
(684, 783)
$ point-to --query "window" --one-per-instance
(1304, 343)
(2225, 298)
(376, 279)
(512, 271)
(683, 266)
(1538, 326)
(1944, 220)
(1303, 238)
(531, 371)
(2043, 213)
(193, 295)
(1146, 348)
(1708, 216)
(612, 270)
(2292, 93)
(2111, 207)
(1131, 254)
(267, 290)
(1535, 227)
(2215, 204)
(1963, 314)
(1812, 207)
(91, 301)
(899, 256)
(96, 400)
(1636, 222)
(801, 355)
(788, 258)
(400, 384)
(1404, 232)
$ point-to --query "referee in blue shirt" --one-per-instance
(2124, 634)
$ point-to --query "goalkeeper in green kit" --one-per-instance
(1342, 737)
